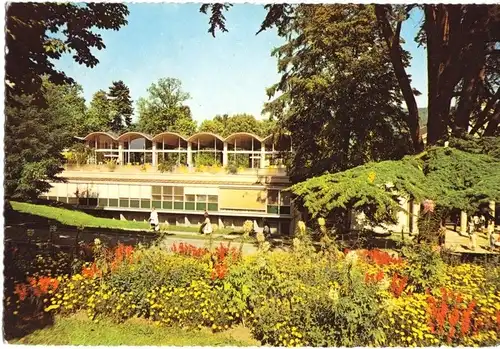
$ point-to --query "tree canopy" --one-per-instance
(338, 94)
(37, 33)
(121, 106)
(225, 125)
(44, 108)
(461, 42)
(164, 109)
(35, 138)
(452, 178)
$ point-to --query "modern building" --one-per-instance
(237, 178)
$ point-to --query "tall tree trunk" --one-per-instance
(443, 33)
(484, 116)
(392, 40)
(493, 124)
(468, 96)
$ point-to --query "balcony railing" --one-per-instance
(147, 168)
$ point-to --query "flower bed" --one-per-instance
(299, 298)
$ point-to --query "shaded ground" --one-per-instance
(79, 330)
(458, 243)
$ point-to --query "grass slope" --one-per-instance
(79, 330)
(78, 218)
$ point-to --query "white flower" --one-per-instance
(352, 257)
(97, 241)
(301, 226)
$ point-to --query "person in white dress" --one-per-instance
(153, 220)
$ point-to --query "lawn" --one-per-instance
(79, 330)
(78, 218)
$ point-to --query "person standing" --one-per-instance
(153, 220)
(207, 226)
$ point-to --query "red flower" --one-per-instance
(398, 284)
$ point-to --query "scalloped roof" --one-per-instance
(188, 139)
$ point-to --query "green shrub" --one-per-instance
(307, 313)
(206, 159)
(167, 165)
(111, 164)
(155, 267)
(424, 267)
(232, 168)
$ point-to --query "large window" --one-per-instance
(137, 196)
(278, 202)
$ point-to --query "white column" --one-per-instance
(262, 155)
(224, 155)
(402, 216)
(189, 155)
(491, 225)
(463, 222)
(120, 153)
(414, 217)
(154, 155)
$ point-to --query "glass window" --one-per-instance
(168, 197)
(179, 191)
(190, 197)
(167, 190)
(156, 190)
(285, 198)
(179, 198)
(272, 197)
(201, 198)
(213, 198)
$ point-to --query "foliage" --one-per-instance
(164, 108)
(232, 168)
(78, 154)
(111, 164)
(224, 125)
(425, 267)
(286, 299)
(37, 33)
(459, 179)
(33, 150)
(119, 93)
(206, 159)
(373, 188)
(100, 113)
(167, 165)
(35, 137)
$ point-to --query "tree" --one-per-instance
(119, 94)
(452, 178)
(37, 33)
(241, 123)
(100, 113)
(213, 126)
(338, 92)
(162, 108)
(462, 59)
(35, 138)
(67, 106)
(225, 125)
(373, 188)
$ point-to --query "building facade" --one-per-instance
(123, 178)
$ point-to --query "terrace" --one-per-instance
(136, 152)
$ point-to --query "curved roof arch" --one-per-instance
(134, 133)
(275, 136)
(166, 133)
(234, 135)
(92, 134)
(200, 134)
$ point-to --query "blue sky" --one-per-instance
(225, 74)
